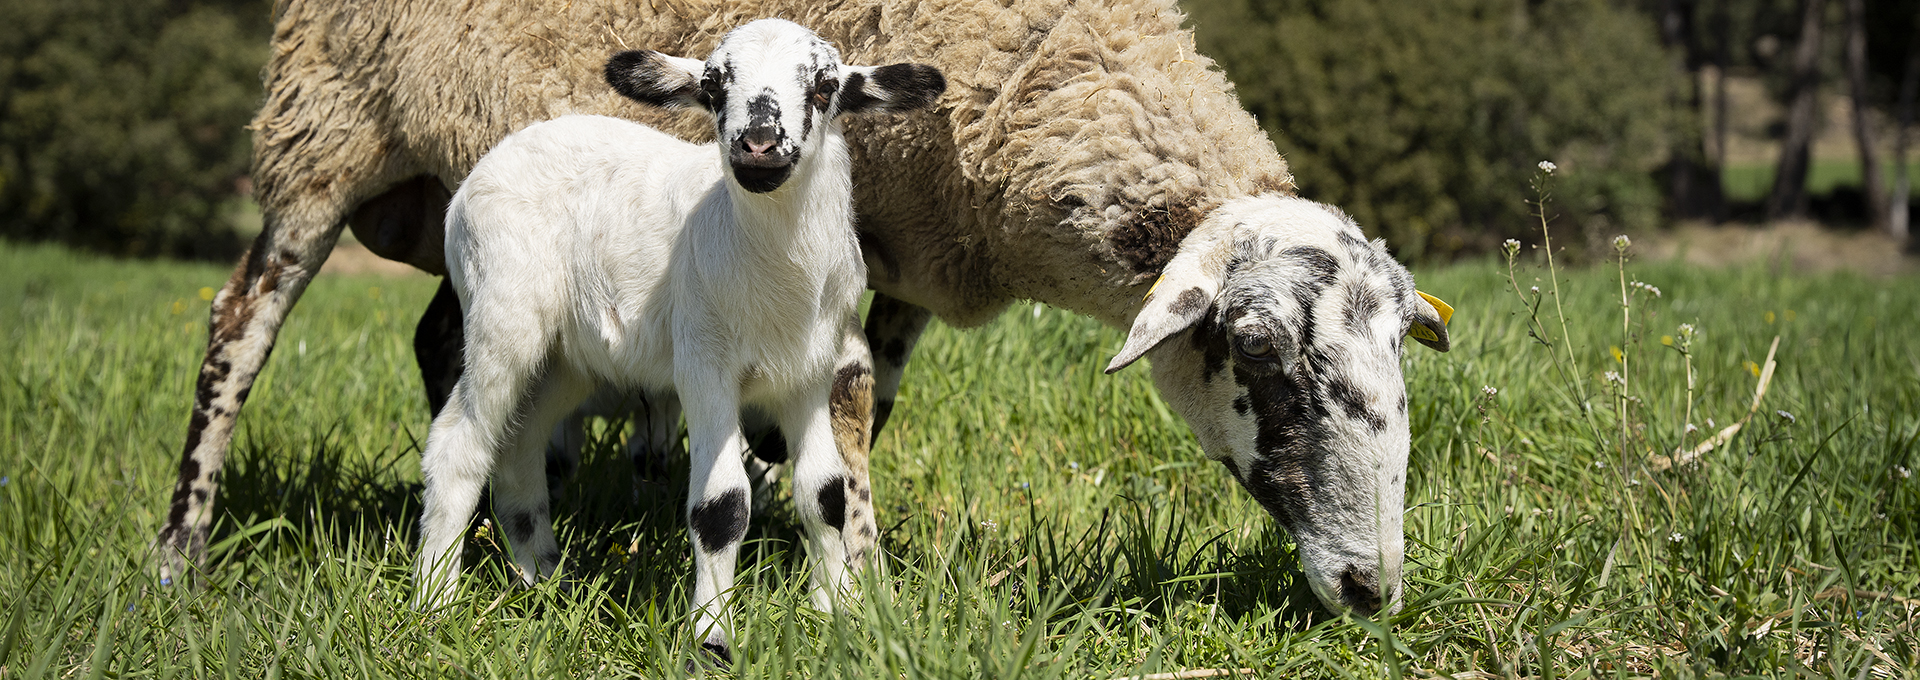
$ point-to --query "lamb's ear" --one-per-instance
(1184, 293)
(1430, 317)
(896, 87)
(650, 77)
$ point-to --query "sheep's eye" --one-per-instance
(1254, 347)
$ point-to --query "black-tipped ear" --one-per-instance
(657, 79)
(895, 87)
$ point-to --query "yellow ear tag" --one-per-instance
(1446, 315)
(1156, 286)
(1445, 310)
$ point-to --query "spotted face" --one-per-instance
(1277, 333)
(775, 91)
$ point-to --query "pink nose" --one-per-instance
(758, 148)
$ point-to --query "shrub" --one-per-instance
(1419, 118)
(122, 122)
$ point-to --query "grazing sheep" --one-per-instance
(1082, 151)
(593, 250)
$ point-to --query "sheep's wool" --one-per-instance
(1076, 145)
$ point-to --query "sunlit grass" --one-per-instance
(1040, 519)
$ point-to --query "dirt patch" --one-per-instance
(1802, 247)
(349, 258)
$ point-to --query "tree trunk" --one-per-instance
(1874, 188)
(1897, 216)
(1693, 185)
(1789, 196)
(1722, 27)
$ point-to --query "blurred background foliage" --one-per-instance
(122, 122)
(1425, 120)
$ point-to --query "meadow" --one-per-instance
(1039, 519)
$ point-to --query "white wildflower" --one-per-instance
(1786, 417)
(1621, 242)
(1613, 377)
(1490, 391)
(990, 525)
(1691, 428)
(1676, 538)
(1902, 471)
(1548, 167)
(1511, 246)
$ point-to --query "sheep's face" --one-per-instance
(776, 92)
(1277, 333)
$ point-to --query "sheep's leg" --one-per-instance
(655, 436)
(893, 327)
(246, 317)
(830, 430)
(718, 500)
(520, 482)
(438, 345)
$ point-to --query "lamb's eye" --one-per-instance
(1254, 346)
(823, 91)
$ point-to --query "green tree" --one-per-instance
(122, 122)
(1425, 120)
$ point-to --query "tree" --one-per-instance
(122, 121)
(1425, 120)
(1789, 195)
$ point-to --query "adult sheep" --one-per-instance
(1081, 152)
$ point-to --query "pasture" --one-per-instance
(1039, 519)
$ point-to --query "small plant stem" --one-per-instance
(1626, 335)
(1566, 338)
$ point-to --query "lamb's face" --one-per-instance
(771, 86)
(1289, 374)
(775, 91)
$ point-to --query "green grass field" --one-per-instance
(1039, 519)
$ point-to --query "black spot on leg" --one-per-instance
(1242, 404)
(866, 530)
(895, 351)
(833, 502)
(1403, 402)
(520, 526)
(720, 521)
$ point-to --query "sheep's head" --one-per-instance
(776, 91)
(1276, 332)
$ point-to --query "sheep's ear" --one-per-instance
(1183, 294)
(657, 79)
(896, 87)
(1430, 317)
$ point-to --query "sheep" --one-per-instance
(1082, 152)
(593, 250)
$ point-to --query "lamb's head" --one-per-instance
(776, 92)
(1276, 332)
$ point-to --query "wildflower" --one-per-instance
(1511, 246)
(4, 479)
(206, 293)
(1073, 465)
(1786, 417)
(1548, 167)
(1676, 538)
(990, 525)
(1686, 330)
(1648, 288)
(1489, 390)
(1535, 289)
(1900, 470)
(1691, 429)
(1613, 377)
(1600, 464)
(1025, 485)
(1621, 242)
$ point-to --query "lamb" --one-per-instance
(593, 250)
(1082, 152)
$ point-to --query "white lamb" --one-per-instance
(591, 251)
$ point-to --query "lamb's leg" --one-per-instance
(893, 327)
(520, 482)
(830, 430)
(718, 500)
(473, 430)
(247, 313)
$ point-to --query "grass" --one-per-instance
(1750, 183)
(1040, 519)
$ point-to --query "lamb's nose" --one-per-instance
(759, 140)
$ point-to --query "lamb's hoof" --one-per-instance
(714, 655)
